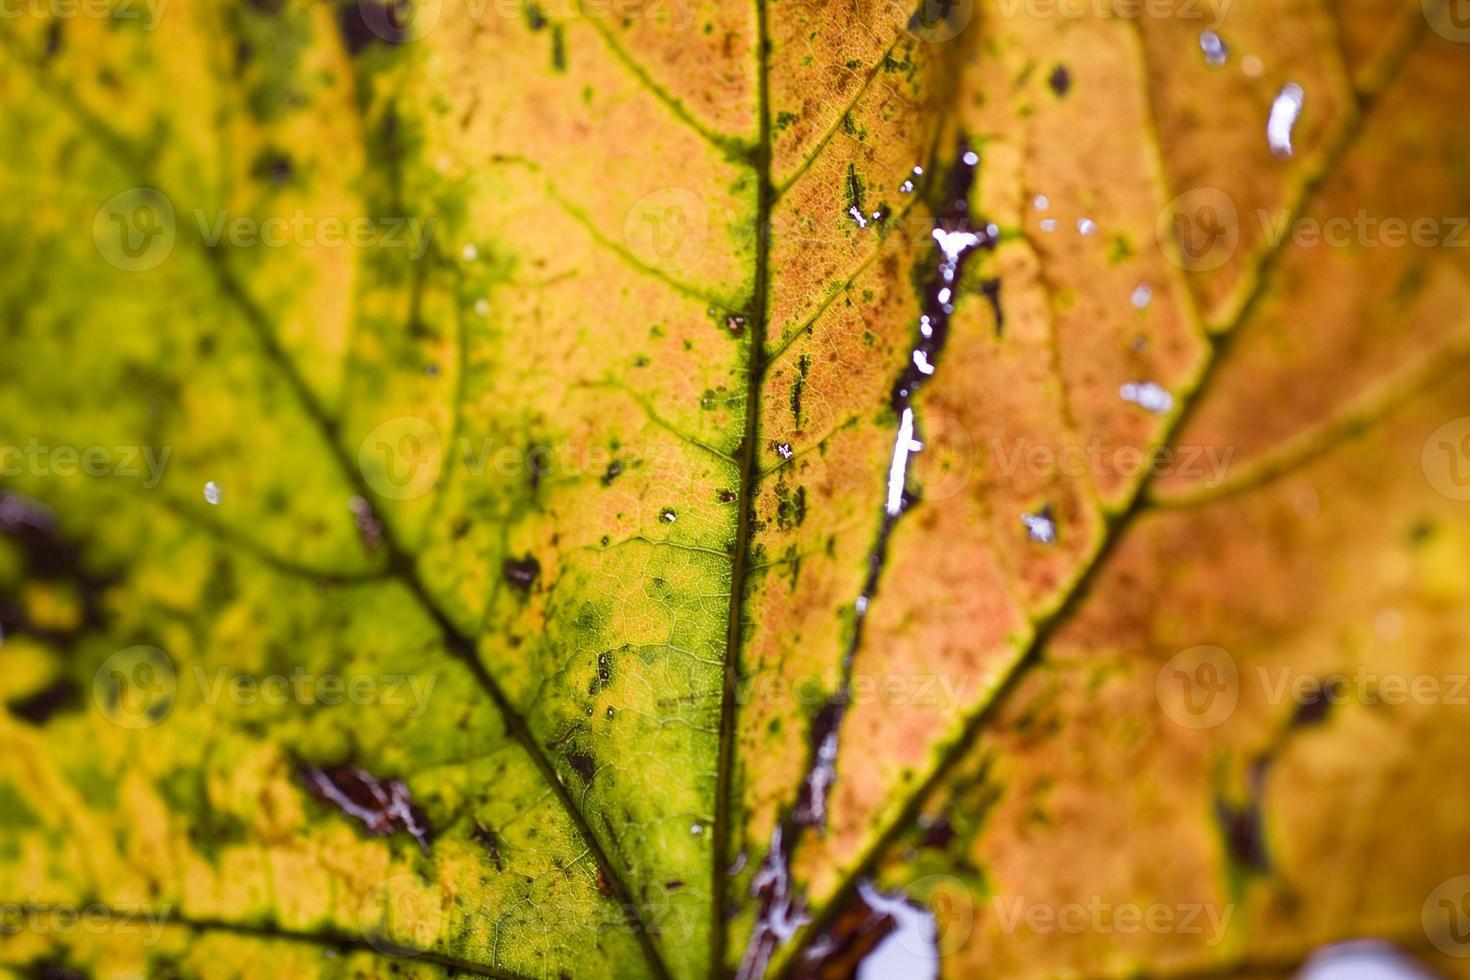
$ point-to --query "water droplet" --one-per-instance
(1040, 527)
(1142, 296)
(212, 493)
(696, 829)
(1040, 203)
(1389, 625)
(482, 307)
(1147, 395)
(1252, 66)
(1086, 226)
(971, 158)
(1284, 112)
(1048, 224)
(857, 216)
(470, 252)
(907, 187)
(784, 450)
(667, 515)
(1216, 50)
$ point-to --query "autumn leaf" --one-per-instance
(791, 489)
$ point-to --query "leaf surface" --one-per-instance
(717, 467)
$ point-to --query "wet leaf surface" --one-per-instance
(663, 492)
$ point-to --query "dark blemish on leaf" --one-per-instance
(521, 572)
(1243, 826)
(726, 496)
(855, 197)
(735, 323)
(539, 460)
(275, 166)
(1060, 80)
(936, 833)
(957, 236)
(54, 38)
(558, 48)
(489, 840)
(606, 540)
(382, 806)
(369, 528)
(674, 885)
(366, 24)
(869, 920)
(583, 765)
(49, 556)
(42, 969)
(1317, 704)
(991, 288)
(668, 515)
(613, 471)
(640, 361)
(536, 17)
(796, 389)
(611, 714)
(604, 887)
(38, 708)
(780, 910)
(1422, 532)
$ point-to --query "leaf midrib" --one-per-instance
(745, 498)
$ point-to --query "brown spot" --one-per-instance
(382, 806)
(521, 572)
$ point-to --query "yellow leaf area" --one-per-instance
(502, 555)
